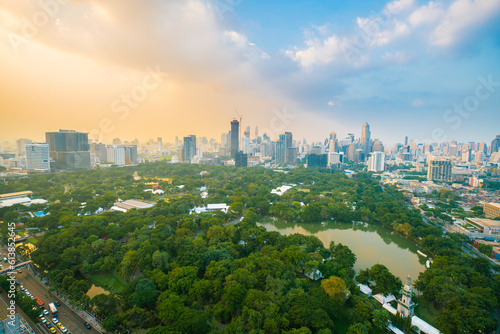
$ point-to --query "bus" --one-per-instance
(39, 302)
(53, 309)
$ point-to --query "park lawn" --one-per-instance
(33, 241)
(426, 311)
(110, 281)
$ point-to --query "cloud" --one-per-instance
(428, 14)
(331, 103)
(432, 25)
(461, 17)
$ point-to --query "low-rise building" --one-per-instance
(491, 210)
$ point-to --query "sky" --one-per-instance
(144, 69)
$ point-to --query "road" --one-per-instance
(5, 302)
(72, 321)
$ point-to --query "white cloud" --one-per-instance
(430, 13)
(461, 16)
(399, 6)
(318, 52)
(331, 103)
(239, 39)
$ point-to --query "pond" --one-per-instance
(372, 244)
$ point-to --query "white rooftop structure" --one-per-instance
(423, 326)
(395, 329)
(281, 190)
(365, 289)
(131, 204)
(209, 208)
(389, 308)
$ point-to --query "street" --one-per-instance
(72, 321)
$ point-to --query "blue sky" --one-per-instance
(403, 66)
(408, 82)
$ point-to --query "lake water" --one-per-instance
(372, 244)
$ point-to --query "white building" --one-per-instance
(376, 162)
(209, 208)
(116, 154)
(37, 157)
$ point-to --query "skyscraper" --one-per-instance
(332, 148)
(285, 153)
(376, 162)
(495, 145)
(189, 147)
(37, 157)
(235, 137)
(69, 149)
(365, 139)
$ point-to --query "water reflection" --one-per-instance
(371, 243)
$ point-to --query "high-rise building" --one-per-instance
(235, 137)
(117, 141)
(241, 159)
(189, 147)
(317, 160)
(37, 157)
(20, 146)
(130, 154)
(284, 153)
(439, 170)
(376, 162)
(483, 148)
(116, 154)
(99, 152)
(365, 139)
(377, 146)
(69, 149)
(495, 145)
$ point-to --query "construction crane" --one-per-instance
(239, 130)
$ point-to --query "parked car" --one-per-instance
(86, 324)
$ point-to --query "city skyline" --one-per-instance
(426, 70)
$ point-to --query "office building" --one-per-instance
(376, 162)
(495, 145)
(235, 138)
(37, 157)
(439, 170)
(130, 154)
(189, 148)
(491, 210)
(241, 159)
(116, 154)
(99, 151)
(69, 149)
(21, 146)
(377, 146)
(365, 139)
(317, 160)
(284, 153)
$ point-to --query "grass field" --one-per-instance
(111, 281)
(426, 311)
(34, 241)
